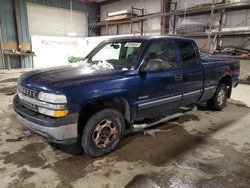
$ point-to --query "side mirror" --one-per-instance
(153, 65)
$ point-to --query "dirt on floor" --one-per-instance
(9, 80)
(202, 148)
(8, 90)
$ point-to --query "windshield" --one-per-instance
(116, 55)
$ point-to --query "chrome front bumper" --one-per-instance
(56, 130)
(56, 134)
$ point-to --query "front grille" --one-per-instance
(28, 92)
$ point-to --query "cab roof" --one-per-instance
(146, 38)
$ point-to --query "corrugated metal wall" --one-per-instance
(7, 20)
(24, 21)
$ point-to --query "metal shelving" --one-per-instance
(192, 11)
(199, 10)
(221, 33)
(209, 9)
(127, 21)
(218, 35)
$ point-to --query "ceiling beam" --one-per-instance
(105, 2)
(87, 2)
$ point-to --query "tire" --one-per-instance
(219, 100)
(102, 132)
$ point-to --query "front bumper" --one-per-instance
(56, 130)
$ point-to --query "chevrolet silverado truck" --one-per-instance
(119, 83)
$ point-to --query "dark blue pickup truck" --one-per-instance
(121, 82)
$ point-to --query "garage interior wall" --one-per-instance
(151, 26)
(7, 21)
(1, 48)
(237, 18)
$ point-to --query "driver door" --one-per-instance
(159, 91)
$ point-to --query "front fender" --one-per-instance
(120, 95)
(108, 94)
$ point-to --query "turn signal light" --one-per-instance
(61, 113)
(53, 113)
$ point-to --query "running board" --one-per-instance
(164, 119)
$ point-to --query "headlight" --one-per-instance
(52, 98)
(53, 113)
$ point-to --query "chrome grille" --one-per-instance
(28, 92)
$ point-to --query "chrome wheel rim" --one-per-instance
(221, 97)
(105, 133)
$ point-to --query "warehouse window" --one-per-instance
(187, 54)
(163, 50)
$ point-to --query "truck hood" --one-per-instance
(57, 77)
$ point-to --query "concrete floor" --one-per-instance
(201, 149)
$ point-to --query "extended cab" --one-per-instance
(122, 81)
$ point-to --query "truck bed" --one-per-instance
(215, 69)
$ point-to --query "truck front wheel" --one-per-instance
(102, 132)
(219, 100)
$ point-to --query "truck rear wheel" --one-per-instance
(102, 132)
(219, 100)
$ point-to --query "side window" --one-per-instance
(163, 50)
(187, 54)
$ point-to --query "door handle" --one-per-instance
(178, 77)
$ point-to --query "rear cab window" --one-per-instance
(188, 54)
